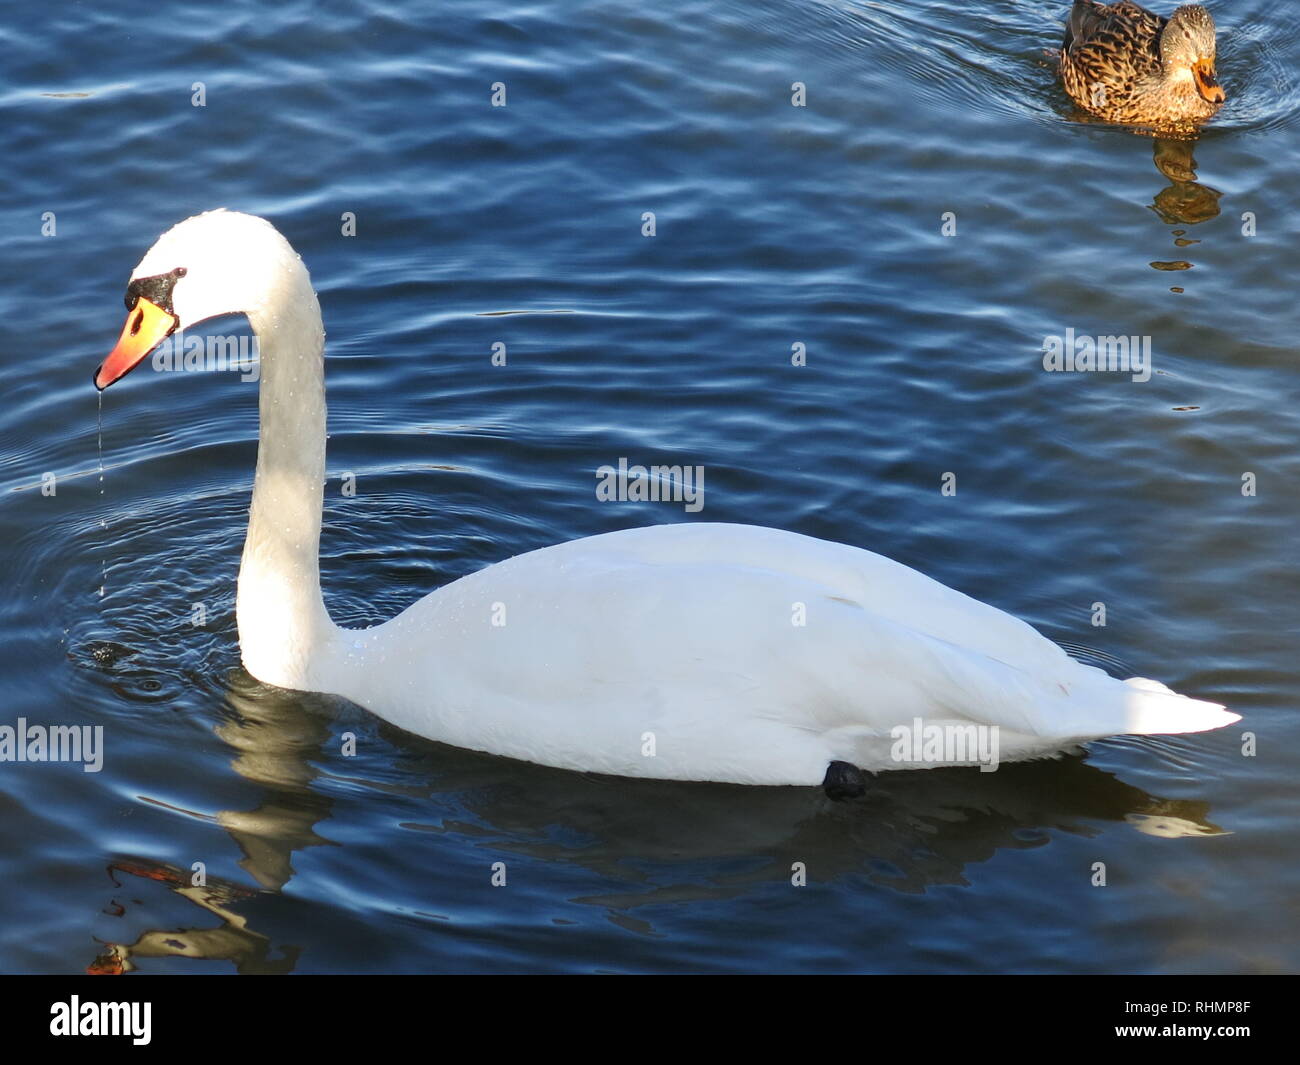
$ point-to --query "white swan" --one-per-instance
(664, 652)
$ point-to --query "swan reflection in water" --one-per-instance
(231, 940)
(276, 736)
(659, 841)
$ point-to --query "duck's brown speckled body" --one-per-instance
(1128, 65)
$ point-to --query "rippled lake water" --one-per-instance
(521, 225)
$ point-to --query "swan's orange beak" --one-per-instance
(147, 326)
(1206, 83)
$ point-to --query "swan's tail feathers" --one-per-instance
(1153, 709)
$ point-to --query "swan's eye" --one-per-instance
(139, 319)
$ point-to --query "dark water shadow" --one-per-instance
(670, 841)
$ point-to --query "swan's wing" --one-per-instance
(836, 573)
(734, 653)
(772, 651)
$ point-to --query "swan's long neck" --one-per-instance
(285, 632)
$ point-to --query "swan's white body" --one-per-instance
(671, 651)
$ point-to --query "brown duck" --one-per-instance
(1127, 65)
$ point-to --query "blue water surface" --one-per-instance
(919, 227)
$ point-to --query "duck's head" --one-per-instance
(217, 263)
(1187, 51)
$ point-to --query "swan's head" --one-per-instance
(1187, 51)
(217, 263)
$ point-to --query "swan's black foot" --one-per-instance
(844, 781)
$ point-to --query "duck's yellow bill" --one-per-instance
(1207, 84)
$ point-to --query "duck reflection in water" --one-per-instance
(1184, 202)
